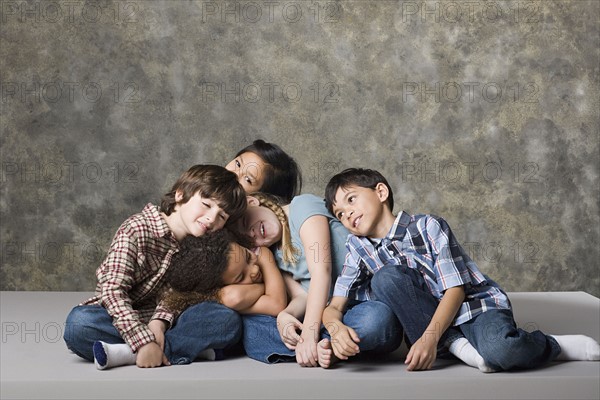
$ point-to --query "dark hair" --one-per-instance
(367, 178)
(212, 181)
(282, 176)
(196, 271)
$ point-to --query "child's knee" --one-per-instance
(79, 321)
(388, 279)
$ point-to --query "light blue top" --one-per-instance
(302, 208)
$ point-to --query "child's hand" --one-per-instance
(158, 327)
(422, 354)
(150, 355)
(344, 342)
(306, 353)
(287, 325)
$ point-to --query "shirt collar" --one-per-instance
(158, 225)
(398, 229)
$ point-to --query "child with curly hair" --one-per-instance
(199, 271)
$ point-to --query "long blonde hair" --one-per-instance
(273, 203)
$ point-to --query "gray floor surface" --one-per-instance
(35, 364)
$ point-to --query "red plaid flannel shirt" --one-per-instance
(129, 279)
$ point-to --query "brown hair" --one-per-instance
(212, 181)
(273, 203)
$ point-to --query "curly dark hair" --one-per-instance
(196, 271)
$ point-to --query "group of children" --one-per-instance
(235, 254)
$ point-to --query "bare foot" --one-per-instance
(325, 354)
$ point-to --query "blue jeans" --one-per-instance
(203, 326)
(503, 346)
(374, 322)
(404, 290)
(493, 333)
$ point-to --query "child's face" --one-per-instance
(199, 215)
(359, 209)
(260, 223)
(249, 168)
(242, 268)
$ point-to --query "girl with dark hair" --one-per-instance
(265, 167)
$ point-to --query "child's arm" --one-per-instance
(451, 274)
(423, 352)
(240, 296)
(288, 321)
(274, 298)
(316, 240)
(152, 354)
(115, 279)
(343, 338)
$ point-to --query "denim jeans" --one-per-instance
(404, 290)
(503, 346)
(203, 326)
(493, 333)
(374, 322)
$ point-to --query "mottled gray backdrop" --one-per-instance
(484, 112)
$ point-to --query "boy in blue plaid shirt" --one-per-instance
(436, 291)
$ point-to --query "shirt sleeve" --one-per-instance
(305, 206)
(448, 263)
(352, 277)
(165, 314)
(115, 279)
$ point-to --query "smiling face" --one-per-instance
(242, 267)
(250, 169)
(197, 216)
(363, 211)
(260, 224)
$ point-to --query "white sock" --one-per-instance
(112, 355)
(465, 352)
(208, 354)
(577, 348)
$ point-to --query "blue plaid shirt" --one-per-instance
(424, 243)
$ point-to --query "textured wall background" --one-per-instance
(485, 112)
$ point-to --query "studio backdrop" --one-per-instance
(483, 112)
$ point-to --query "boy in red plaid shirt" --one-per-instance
(126, 307)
